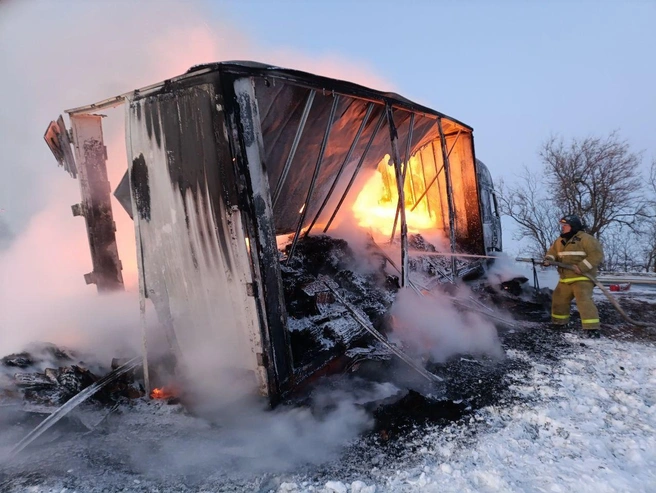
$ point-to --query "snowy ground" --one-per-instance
(564, 414)
(587, 423)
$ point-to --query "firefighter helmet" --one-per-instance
(574, 221)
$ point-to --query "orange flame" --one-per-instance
(163, 393)
(375, 206)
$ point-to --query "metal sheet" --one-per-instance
(466, 199)
(122, 194)
(195, 260)
(58, 141)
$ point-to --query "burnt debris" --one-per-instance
(46, 374)
(342, 322)
(319, 326)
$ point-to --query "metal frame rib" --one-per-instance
(292, 151)
(394, 141)
(405, 170)
(306, 204)
(436, 175)
(356, 171)
(355, 142)
(449, 192)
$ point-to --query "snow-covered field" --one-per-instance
(588, 423)
(578, 417)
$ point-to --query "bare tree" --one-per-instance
(622, 250)
(536, 215)
(597, 179)
(649, 248)
(649, 251)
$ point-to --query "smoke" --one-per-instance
(504, 269)
(430, 326)
(247, 439)
(66, 54)
(43, 300)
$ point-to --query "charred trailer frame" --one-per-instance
(226, 157)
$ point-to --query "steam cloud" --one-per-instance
(251, 440)
(431, 326)
(66, 54)
(58, 55)
(503, 269)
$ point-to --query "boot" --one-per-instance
(592, 333)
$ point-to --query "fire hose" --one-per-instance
(487, 311)
(596, 282)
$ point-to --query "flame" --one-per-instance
(375, 206)
(164, 393)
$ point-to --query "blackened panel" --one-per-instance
(141, 187)
(245, 131)
(152, 122)
(469, 238)
(193, 161)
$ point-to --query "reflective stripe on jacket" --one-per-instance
(582, 250)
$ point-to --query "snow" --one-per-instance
(588, 424)
(585, 422)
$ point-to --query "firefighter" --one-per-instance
(584, 253)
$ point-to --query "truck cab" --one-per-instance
(489, 209)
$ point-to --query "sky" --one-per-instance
(517, 72)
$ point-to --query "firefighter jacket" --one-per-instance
(582, 250)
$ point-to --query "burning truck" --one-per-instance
(240, 179)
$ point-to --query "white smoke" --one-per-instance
(504, 269)
(248, 439)
(432, 327)
(429, 325)
(66, 54)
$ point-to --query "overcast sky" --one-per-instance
(516, 71)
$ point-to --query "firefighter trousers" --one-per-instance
(562, 299)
